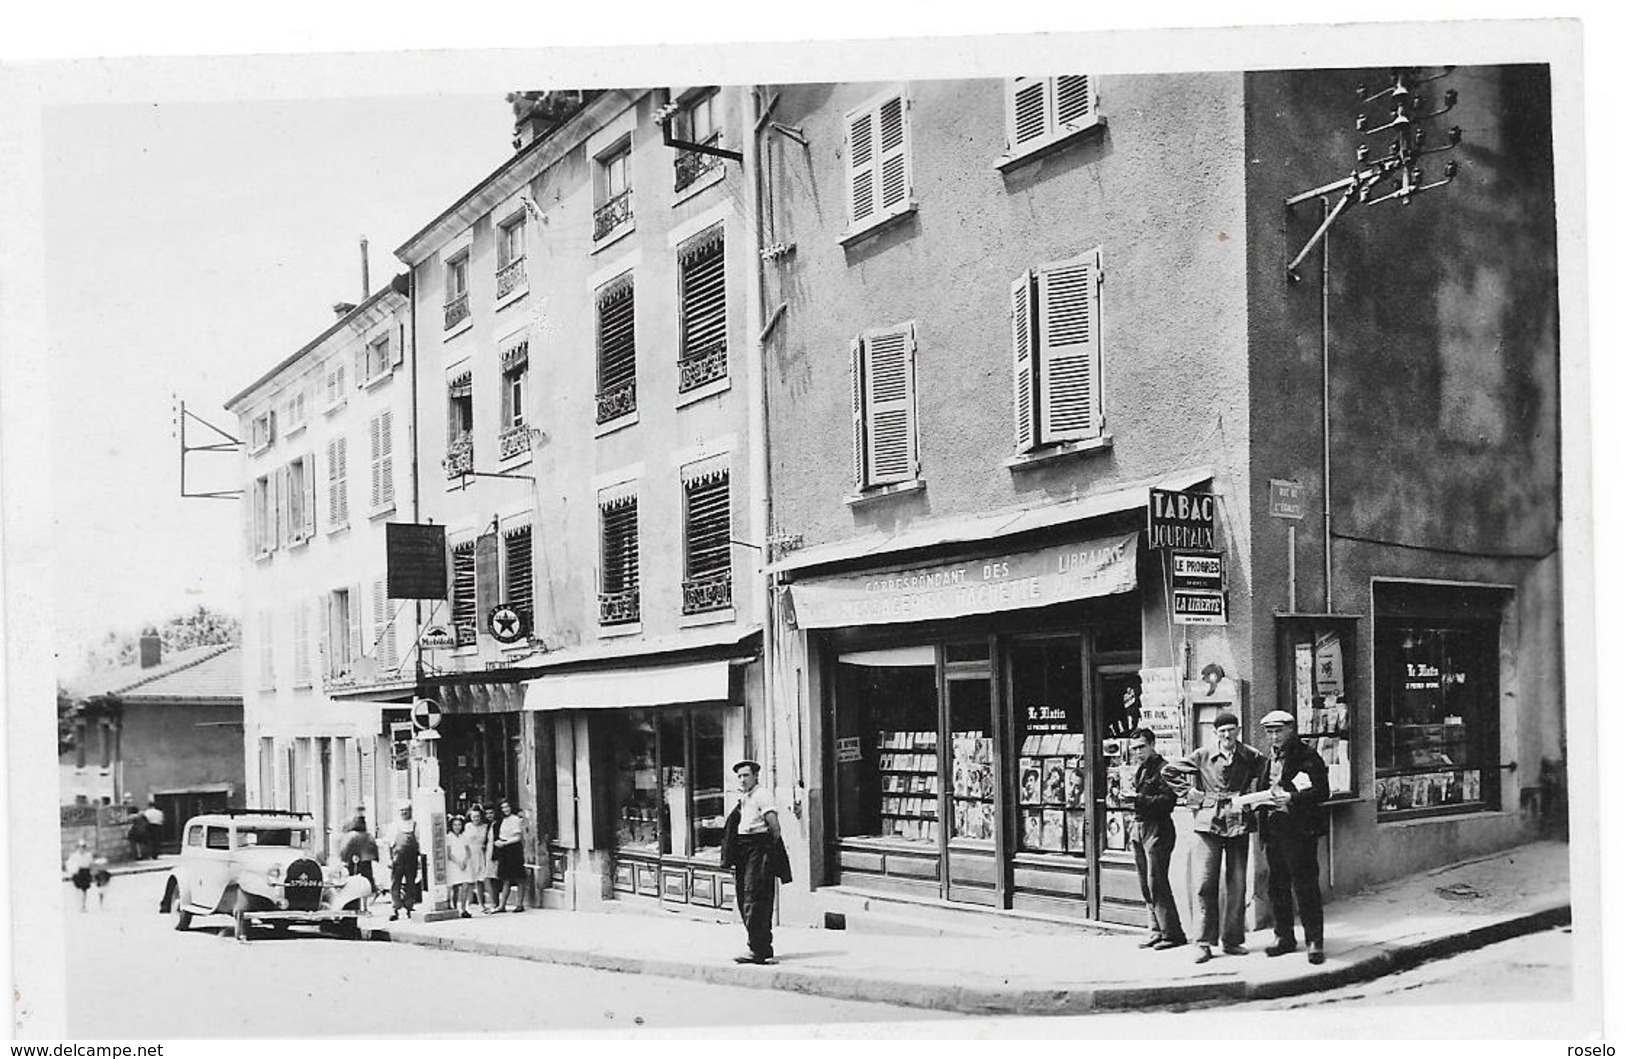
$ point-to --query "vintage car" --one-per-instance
(259, 866)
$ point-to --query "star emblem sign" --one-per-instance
(506, 624)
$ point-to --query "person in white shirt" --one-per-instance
(404, 853)
(78, 869)
(155, 828)
(755, 849)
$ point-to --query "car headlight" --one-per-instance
(274, 872)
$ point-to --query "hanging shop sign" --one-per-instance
(437, 637)
(1199, 570)
(1180, 519)
(507, 623)
(426, 714)
(1286, 498)
(1194, 606)
(415, 560)
(975, 586)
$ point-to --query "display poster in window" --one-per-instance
(1161, 709)
(1329, 665)
(1043, 717)
(849, 748)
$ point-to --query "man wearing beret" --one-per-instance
(751, 846)
(1212, 779)
(1292, 824)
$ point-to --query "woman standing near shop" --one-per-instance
(510, 857)
(457, 863)
(478, 837)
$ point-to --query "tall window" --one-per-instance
(294, 409)
(263, 501)
(880, 175)
(519, 588)
(333, 385)
(885, 448)
(261, 432)
(267, 652)
(299, 493)
(617, 350)
(464, 604)
(696, 123)
(460, 425)
(343, 631)
(383, 641)
(511, 255)
(707, 545)
(377, 358)
(515, 437)
(457, 290)
(1055, 335)
(381, 446)
(302, 641)
(338, 483)
(614, 192)
(1040, 111)
(703, 346)
(618, 590)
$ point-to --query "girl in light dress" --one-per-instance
(457, 864)
(478, 836)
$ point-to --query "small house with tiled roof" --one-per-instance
(167, 730)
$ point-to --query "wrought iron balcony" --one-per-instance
(618, 608)
(456, 310)
(513, 441)
(618, 401)
(460, 456)
(702, 368)
(612, 214)
(510, 278)
(708, 592)
(691, 165)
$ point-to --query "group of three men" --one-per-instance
(1213, 781)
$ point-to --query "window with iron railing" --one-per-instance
(457, 309)
(460, 426)
(617, 351)
(618, 591)
(614, 192)
(703, 311)
(707, 529)
(696, 123)
(511, 257)
(514, 438)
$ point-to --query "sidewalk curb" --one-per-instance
(1363, 964)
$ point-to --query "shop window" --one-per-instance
(1318, 671)
(886, 772)
(1046, 687)
(636, 788)
(669, 779)
(617, 351)
(1055, 339)
(1437, 705)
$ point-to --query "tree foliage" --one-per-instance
(196, 628)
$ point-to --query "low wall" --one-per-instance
(103, 827)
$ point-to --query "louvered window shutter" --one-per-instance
(280, 536)
(324, 654)
(889, 408)
(463, 593)
(1074, 99)
(361, 373)
(704, 297)
(1021, 337)
(894, 165)
(707, 524)
(520, 590)
(386, 458)
(332, 483)
(376, 451)
(354, 613)
(397, 347)
(620, 527)
(1028, 110)
(279, 796)
(859, 478)
(860, 135)
(309, 528)
(1069, 350)
(343, 453)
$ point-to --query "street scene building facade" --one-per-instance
(922, 441)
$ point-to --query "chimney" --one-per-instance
(342, 309)
(151, 649)
(536, 114)
(366, 286)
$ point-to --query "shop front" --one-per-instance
(975, 719)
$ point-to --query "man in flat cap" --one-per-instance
(1212, 779)
(752, 847)
(1292, 824)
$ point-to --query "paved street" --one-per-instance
(132, 975)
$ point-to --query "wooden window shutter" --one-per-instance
(383, 627)
(397, 347)
(1069, 349)
(376, 452)
(707, 524)
(1074, 99)
(280, 536)
(309, 528)
(361, 366)
(324, 656)
(343, 453)
(889, 404)
(861, 154)
(1028, 110)
(353, 611)
(859, 477)
(332, 482)
(894, 163)
(386, 458)
(1021, 338)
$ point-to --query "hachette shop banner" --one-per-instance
(929, 591)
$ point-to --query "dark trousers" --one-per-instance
(403, 879)
(753, 892)
(1233, 852)
(1153, 847)
(1295, 878)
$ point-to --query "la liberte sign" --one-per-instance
(1017, 581)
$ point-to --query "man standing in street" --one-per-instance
(1153, 842)
(753, 848)
(1291, 828)
(1213, 778)
(155, 828)
(403, 864)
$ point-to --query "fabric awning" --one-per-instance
(642, 686)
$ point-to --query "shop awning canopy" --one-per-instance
(990, 525)
(641, 686)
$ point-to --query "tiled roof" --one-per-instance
(212, 672)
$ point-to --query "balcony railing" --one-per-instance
(698, 370)
(618, 608)
(513, 441)
(691, 165)
(618, 401)
(460, 456)
(510, 278)
(456, 310)
(708, 592)
(612, 214)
